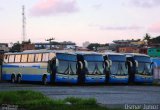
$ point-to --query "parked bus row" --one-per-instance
(49, 66)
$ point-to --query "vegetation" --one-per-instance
(93, 46)
(16, 47)
(31, 100)
(147, 37)
(155, 40)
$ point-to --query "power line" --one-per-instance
(50, 40)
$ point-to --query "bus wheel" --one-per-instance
(44, 80)
(13, 79)
(19, 79)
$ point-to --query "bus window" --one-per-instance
(11, 58)
(17, 58)
(6, 58)
(31, 58)
(38, 57)
(45, 57)
(51, 55)
(24, 58)
(63, 67)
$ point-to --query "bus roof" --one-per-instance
(30, 51)
(41, 51)
(135, 54)
(87, 53)
(65, 52)
(112, 53)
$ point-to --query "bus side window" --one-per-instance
(6, 58)
(24, 58)
(38, 57)
(45, 57)
(31, 58)
(11, 58)
(17, 58)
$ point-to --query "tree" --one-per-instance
(29, 41)
(147, 37)
(155, 40)
(93, 46)
(16, 47)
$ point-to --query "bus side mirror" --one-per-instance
(152, 63)
(136, 63)
(86, 63)
(130, 63)
(107, 62)
(81, 65)
(110, 62)
(57, 62)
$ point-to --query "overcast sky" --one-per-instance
(99, 21)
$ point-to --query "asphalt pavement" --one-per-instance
(121, 94)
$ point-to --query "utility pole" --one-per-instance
(50, 40)
(23, 23)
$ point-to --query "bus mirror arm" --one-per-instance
(81, 65)
(86, 63)
(130, 63)
(151, 65)
(57, 62)
(110, 62)
(107, 62)
(136, 63)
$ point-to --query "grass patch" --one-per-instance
(31, 100)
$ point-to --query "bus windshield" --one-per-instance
(142, 59)
(118, 64)
(95, 67)
(67, 63)
(144, 68)
(119, 68)
(95, 64)
(117, 57)
(66, 67)
(144, 64)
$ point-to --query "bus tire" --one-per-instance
(19, 79)
(44, 80)
(13, 79)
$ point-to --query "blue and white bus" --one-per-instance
(68, 69)
(140, 71)
(93, 67)
(27, 66)
(116, 68)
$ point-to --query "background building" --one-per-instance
(55, 45)
(154, 52)
(128, 50)
(4, 47)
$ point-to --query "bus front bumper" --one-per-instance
(118, 79)
(143, 79)
(95, 79)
